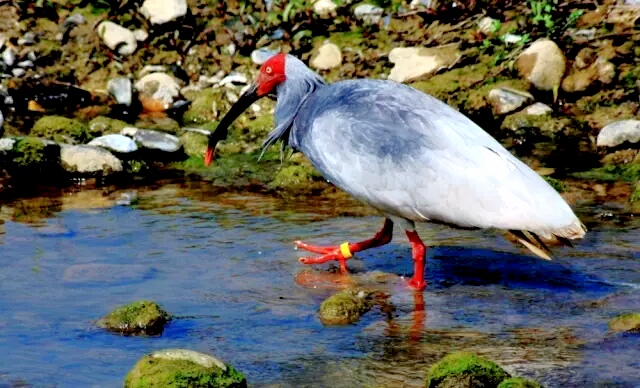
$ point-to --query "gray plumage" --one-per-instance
(413, 157)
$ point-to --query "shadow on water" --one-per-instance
(224, 264)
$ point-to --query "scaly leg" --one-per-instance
(418, 251)
(345, 251)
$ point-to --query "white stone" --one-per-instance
(151, 139)
(324, 7)
(115, 142)
(234, 78)
(120, 88)
(6, 144)
(89, 159)
(537, 109)
(328, 57)
(115, 36)
(487, 25)
(618, 132)
(414, 62)
(506, 100)
(368, 13)
(140, 34)
(163, 11)
(161, 86)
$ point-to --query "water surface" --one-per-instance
(226, 267)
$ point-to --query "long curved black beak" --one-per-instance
(246, 99)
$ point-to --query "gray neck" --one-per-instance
(301, 82)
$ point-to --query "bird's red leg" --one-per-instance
(336, 252)
(418, 251)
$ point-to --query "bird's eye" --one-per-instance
(268, 70)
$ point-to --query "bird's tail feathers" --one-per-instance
(538, 243)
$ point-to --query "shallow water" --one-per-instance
(226, 267)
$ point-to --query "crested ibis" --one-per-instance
(408, 155)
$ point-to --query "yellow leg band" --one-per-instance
(344, 249)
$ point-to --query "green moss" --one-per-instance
(478, 98)
(459, 367)
(344, 307)
(626, 172)
(29, 152)
(556, 184)
(164, 124)
(183, 368)
(519, 382)
(106, 125)
(635, 196)
(294, 177)
(62, 130)
(201, 110)
(545, 123)
(452, 86)
(141, 317)
(193, 143)
(626, 323)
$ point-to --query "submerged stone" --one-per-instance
(183, 368)
(629, 323)
(345, 307)
(141, 317)
(465, 370)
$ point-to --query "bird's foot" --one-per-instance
(330, 253)
(417, 284)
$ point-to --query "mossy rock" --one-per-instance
(62, 130)
(518, 382)
(628, 323)
(141, 317)
(544, 123)
(345, 307)
(33, 155)
(465, 370)
(294, 177)
(194, 143)
(626, 172)
(183, 368)
(164, 124)
(106, 125)
(205, 107)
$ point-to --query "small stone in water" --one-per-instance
(9, 56)
(115, 142)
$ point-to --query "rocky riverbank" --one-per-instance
(106, 91)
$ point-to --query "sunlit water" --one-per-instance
(226, 267)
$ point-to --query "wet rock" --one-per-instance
(151, 139)
(261, 55)
(345, 307)
(194, 144)
(537, 109)
(181, 367)
(414, 62)
(89, 160)
(622, 157)
(518, 382)
(117, 38)
(204, 108)
(601, 71)
(627, 323)
(62, 130)
(505, 100)
(105, 125)
(17, 72)
(115, 142)
(121, 89)
(324, 7)
(543, 64)
(368, 13)
(328, 57)
(463, 369)
(157, 91)
(619, 132)
(542, 123)
(163, 11)
(9, 56)
(141, 317)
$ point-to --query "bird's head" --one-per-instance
(272, 73)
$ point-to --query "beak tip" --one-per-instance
(208, 156)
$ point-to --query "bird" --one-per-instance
(406, 154)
